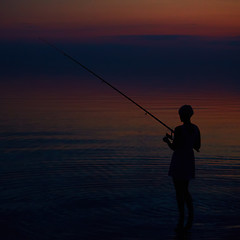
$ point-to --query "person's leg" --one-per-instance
(180, 201)
(189, 203)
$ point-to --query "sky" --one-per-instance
(77, 18)
(141, 44)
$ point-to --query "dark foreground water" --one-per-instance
(84, 169)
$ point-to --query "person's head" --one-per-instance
(185, 113)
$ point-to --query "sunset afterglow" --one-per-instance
(81, 19)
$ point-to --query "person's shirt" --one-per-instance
(186, 137)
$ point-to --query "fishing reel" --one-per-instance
(167, 137)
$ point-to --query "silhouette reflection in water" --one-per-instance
(182, 167)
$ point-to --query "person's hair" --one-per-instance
(186, 111)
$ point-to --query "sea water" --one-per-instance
(95, 167)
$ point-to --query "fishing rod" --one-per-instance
(104, 81)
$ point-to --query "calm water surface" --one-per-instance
(96, 168)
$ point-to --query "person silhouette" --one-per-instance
(182, 167)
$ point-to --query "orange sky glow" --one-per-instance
(100, 18)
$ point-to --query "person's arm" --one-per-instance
(197, 143)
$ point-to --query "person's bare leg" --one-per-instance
(180, 203)
(189, 203)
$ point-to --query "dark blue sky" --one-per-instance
(172, 61)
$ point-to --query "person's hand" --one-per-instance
(165, 139)
(169, 136)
